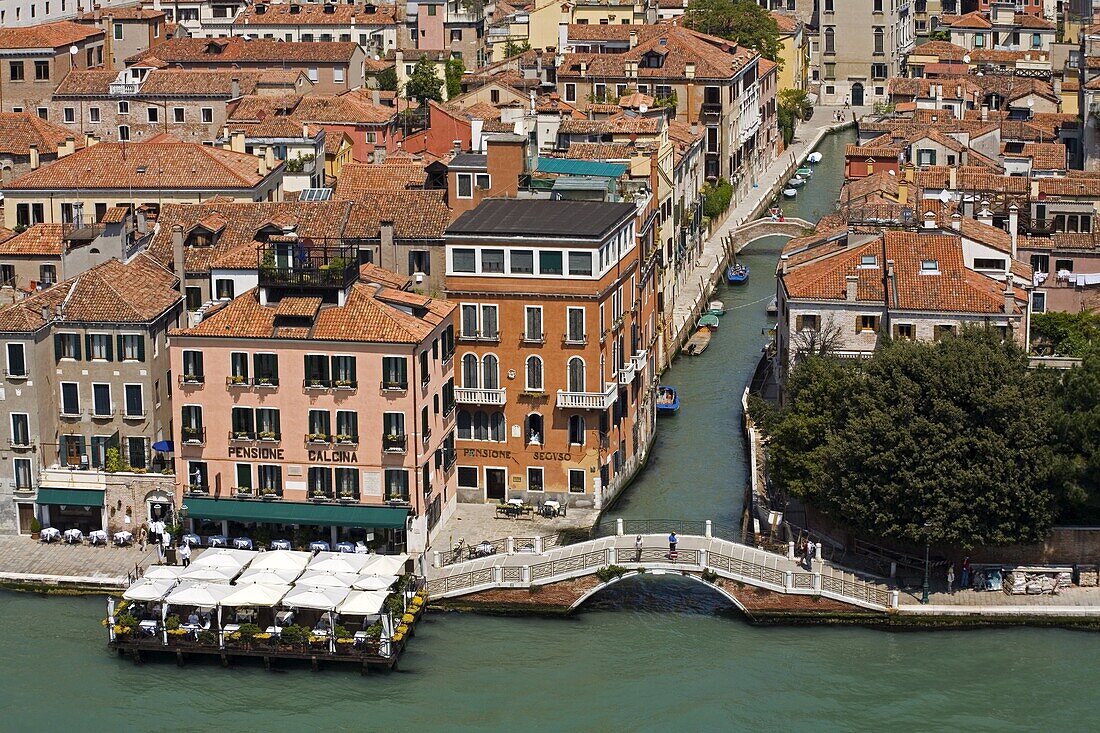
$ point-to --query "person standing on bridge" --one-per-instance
(672, 545)
(638, 548)
(811, 548)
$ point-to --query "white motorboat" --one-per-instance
(790, 192)
(796, 182)
(814, 157)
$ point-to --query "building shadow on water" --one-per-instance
(668, 593)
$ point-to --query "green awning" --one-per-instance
(71, 497)
(289, 512)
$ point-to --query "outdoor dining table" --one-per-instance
(193, 629)
(273, 630)
(217, 540)
(123, 538)
(280, 544)
(242, 543)
(231, 628)
(51, 534)
(97, 537)
(192, 539)
(515, 502)
(319, 546)
(345, 547)
(148, 627)
(74, 536)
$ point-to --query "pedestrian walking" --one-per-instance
(966, 574)
(811, 548)
(847, 103)
(672, 545)
(638, 548)
(185, 553)
(143, 537)
(951, 579)
(160, 552)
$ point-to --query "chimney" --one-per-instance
(929, 220)
(456, 145)
(956, 221)
(910, 172)
(952, 178)
(376, 97)
(236, 141)
(385, 236)
(261, 165)
(633, 38)
(305, 130)
(1034, 188)
(903, 191)
(1014, 226)
(584, 68)
(1010, 296)
(234, 88)
(985, 216)
(46, 314)
(269, 157)
(66, 148)
(36, 161)
(177, 253)
(985, 113)
(852, 287)
(689, 70)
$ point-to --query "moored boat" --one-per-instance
(668, 401)
(773, 307)
(709, 321)
(796, 182)
(805, 172)
(737, 273)
(790, 192)
(716, 308)
(814, 157)
(698, 342)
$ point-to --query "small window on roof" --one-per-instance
(867, 261)
(930, 266)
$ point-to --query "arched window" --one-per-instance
(469, 371)
(830, 40)
(465, 425)
(576, 374)
(534, 428)
(534, 374)
(490, 372)
(481, 426)
(576, 430)
(497, 427)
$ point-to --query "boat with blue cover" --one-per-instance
(737, 274)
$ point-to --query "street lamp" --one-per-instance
(927, 544)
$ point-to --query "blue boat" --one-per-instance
(668, 402)
(737, 274)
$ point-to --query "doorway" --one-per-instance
(857, 94)
(496, 483)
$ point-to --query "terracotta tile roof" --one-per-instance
(787, 22)
(869, 151)
(877, 183)
(972, 178)
(1075, 186)
(48, 35)
(989, 235)
(20, 130)
(371, 273)
(125, 12)
(622, 124)
(298, 307)
(610, 31)
(608, 109)
(714, 58)
(498, 126)
(336, 141)
(415, 214)
(144, 167)
(476, 111)
(998, 55)
(364, 317)
(321, 109)
(227, 51)
(40, 239)
(955, 289)
(358, 178)
(244, 257)
(976, 19)
(314, 14)
(1046, 156)
(1064, 241)
(1032, 22)
(942, 49)
(136, 292)
(115, 215)
(599, 151)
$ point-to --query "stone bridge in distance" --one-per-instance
(587, 567)
(741, 236)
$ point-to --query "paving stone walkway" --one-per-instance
(23, 560)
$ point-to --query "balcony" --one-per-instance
(197, 490)
(123, 88)
(345, 439)
(193, 436)
(284, 265)
(318, 438)
(318, 385)
(626, 372)
(394, 386)
(320, 495)
(269, 436)
(192, 380)
(236, 381)
(265, 382)
(489, 336)
(477, 396)
(395, 443)
(639, 360)
(244, 492)
(349, 385)
(588, 400)
(241, 436)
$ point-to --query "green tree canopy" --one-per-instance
(741, 21)
(454, 71)
(923, 440)
(1075, 420)
(1065, 334)
(387, 79)
(424, 84)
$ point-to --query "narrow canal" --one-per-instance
(653, 657)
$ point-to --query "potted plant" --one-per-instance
(267, 435)
(268, 492)
(263, 381)
(343, 438)
(36, 529)
(247, 633)
(294, 636)
(241, 435)
(318, 438)
(172, 622)
(236, 379)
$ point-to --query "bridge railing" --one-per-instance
(466, 552)
(697, 527)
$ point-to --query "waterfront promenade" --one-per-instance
(26, 562)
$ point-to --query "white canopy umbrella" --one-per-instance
(339, 562)
(385, 564)
(271, 577)
(209, 574)
(307, 596)
(370, 582)
(164, 572)
(323, 579)
(280, 560)
(224, 558)
(363, 603)
(256, 594)
(203, 595)
(149, 589)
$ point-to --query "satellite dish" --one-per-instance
(643, 108)
(377, 57)
(73, 50)
(1031, 103)
(945, 196)
(892, 173)
(966, 59)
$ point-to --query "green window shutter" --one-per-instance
(110, 350)
(88, 344)
(77, 345)
(57, 347)
(121, 351)
(141, 348)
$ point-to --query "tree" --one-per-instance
(921, 441)
(453, 72)
(741, 21)
(1065, 334)
(793, 105)
(387, 79)
(1075, 422)
(424, 84)
(512, 48)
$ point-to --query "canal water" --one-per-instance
(658, 654)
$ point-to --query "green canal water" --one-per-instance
(657, 654)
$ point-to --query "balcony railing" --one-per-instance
(265, 382)
(193, 436)
(270, 436)
(197, 490)
(639, 360)
(123, 88)
(348, 384)
(307, 267)
(237, 380)
(316, 384)
(394, 386)
(196, 379)
(241, 436)
(395, 443)
(244, 491)
(318, 438)
(480, 396)
(588, 400)
(626, 372)
(345, 439)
